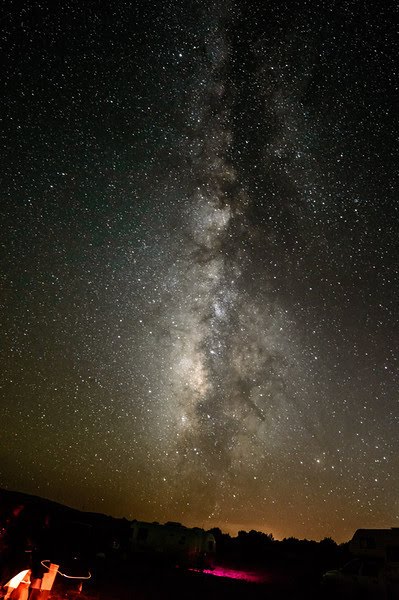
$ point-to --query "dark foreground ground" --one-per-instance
(175, 584)
(153, 583)
(143, 580)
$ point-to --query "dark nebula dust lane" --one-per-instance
(199, 262)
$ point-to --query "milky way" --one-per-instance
(200, 248)
(230, 360)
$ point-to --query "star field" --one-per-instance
(199, 261)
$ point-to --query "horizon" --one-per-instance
(199, 277)
(229, 529)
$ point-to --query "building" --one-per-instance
(173, 543)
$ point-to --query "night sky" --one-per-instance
(199, 277)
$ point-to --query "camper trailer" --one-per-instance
(173, 543)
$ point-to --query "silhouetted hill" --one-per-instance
(35, 504)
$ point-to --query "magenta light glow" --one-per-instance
(249, 576)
